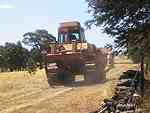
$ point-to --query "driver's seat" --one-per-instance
(73, 37)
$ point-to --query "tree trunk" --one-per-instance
(41, 64)
(146, 69)
(11, 70)
(142, 73)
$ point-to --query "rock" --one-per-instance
(125, 82)
(125, 107)
(122, 88)
(129, 74)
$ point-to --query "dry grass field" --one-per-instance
(21, 93)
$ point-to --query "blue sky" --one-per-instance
(20, 16)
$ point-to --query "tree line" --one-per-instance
(15, 57)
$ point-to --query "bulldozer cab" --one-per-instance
(69, 32)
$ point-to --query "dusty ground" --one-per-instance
(32, 94)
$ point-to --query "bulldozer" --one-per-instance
(72, 55)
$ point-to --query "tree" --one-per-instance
(38, 40)
(37, 57)
(134, 54)
(10, 56)
(127, 21)
(2, 59)
(108, 46)
(13, 57)
(21, 56)
(31, 65)
(120, 17)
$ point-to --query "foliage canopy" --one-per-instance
(126, 20)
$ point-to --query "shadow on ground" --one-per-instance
(85, 83)
(89, 81)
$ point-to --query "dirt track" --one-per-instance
(19, 94)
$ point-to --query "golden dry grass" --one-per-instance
(19, 88)
(31, 94)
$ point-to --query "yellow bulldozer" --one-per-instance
(72, 55)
